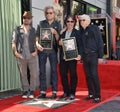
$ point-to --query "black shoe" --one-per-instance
(96, 100)
(89, 97)
(72, 97)
(65, 95)
(54, 96)
(42, 95)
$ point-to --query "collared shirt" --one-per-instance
(26, 51)
(67, 34)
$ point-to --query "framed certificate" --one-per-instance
(46, 38)
(70, 48)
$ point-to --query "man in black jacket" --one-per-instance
(24, 49)
(92, 53)
(69, 84)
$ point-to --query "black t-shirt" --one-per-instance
(56, 25)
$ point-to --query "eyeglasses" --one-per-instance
(49, 13)
(70, 21)
(82, 20)
(26, 18)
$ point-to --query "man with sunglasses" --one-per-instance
(55, 28)
(69, 84)
(92, 53)
(24, 49)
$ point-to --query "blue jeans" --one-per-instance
(52, 55)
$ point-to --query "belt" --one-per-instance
(89, 52)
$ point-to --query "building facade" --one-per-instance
(116, 22)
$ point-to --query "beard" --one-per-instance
(26, 23)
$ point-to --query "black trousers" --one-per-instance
(69, 86)
(90, 62)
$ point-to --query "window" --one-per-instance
(80, 7)
(91, 10)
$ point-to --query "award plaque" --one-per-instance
(46, 38)
(102, 23)
(70, 48)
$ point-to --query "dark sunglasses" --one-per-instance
(49, 13)
(26, 18)
(82, 20)
(70, 21)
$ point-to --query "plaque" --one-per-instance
(46, 38)
(102, 23)
(70, 48)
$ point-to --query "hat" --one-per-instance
(27, 14)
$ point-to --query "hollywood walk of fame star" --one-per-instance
(46, 35)
(48, 103)
(101, 27)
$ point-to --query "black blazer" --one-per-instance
(75, 33)
(92, 40)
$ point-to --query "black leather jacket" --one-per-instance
(75, 33)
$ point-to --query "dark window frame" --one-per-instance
(85, 6)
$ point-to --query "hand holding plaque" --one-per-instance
(70, 48)
(46, 38)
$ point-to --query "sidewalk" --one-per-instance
(111, 106)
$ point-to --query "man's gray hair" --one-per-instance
(85, 16)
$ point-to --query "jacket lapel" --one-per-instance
(72, 34)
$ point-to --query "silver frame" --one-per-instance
(74, 48)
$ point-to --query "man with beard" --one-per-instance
(24, 49)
